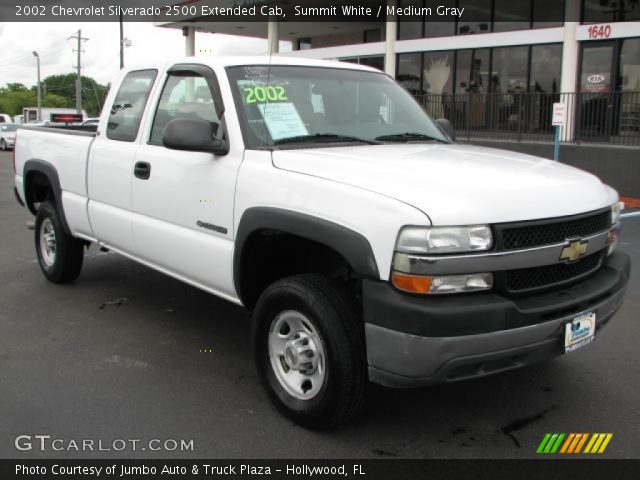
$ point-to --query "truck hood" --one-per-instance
(457, 184)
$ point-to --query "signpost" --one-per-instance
(558, 120)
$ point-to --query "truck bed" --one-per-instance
(65, 150)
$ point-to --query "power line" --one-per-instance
(29, 56)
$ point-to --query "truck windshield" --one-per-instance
(287, 105)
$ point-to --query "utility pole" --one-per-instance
(121, 43)
(80, 39)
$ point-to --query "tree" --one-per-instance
(14, 87)
(12, 101)
(57, 91)
(93, 93)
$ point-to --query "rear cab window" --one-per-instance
(129, 104)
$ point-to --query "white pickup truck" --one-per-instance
(368, 244)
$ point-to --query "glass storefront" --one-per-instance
(488, 16)
(521, 69)
(610, 86)
(487, 88)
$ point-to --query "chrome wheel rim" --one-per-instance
(48, 242)
(297, 355)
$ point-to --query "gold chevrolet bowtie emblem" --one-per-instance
(574, 250)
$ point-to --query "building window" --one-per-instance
(511, 15)
(509, 70)
(597, 61)
(602, 11)
(548, 13)
(546, 68)
(631, 10)
(438, 72)
(410, 72)
(375, 62)
(304, 43)
(480, 11)
(374, 35)
(439, 29)
(630, 65)
(472, 71)
(410, 29)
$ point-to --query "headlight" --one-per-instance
(616, 210)
(444, 239)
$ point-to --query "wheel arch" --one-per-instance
(35, 171)
(348, 244)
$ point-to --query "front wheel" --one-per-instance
(309, 350)
(59, 254)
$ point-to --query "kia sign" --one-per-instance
(596, 78)
(596, 82)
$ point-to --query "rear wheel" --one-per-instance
(3, 145)
(309, 350)
(59, 254)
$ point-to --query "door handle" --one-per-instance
(142, 170)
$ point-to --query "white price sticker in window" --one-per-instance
(283, 120)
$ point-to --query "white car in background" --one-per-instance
(7, 135)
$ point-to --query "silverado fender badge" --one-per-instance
(210, 226)
(573, 251)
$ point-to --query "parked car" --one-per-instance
(368, 244)
(7, 135)
(4, 118)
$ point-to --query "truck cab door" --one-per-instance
(183, 200)
(111, 162)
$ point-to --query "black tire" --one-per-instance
(66, 262)
(3, 145)
(333, 315)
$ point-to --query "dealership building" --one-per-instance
(496, 71)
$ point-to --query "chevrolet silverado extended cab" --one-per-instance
(368, 244)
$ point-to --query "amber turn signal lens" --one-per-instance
(411, 283)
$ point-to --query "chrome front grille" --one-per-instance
(518, 236)
(527, 279)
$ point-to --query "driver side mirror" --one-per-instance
(193, 135)
(446, 127)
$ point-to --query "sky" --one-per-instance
(101, 54)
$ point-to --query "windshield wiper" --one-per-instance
(324, 136)
(408, 137)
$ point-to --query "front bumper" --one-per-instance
(415, 341)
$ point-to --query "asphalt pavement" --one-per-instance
(128, 353)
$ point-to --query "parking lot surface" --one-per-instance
(128, 353)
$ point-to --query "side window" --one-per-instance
(183, 96)
(128, 107)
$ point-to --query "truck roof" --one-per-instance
(238, 60)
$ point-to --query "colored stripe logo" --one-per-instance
(574, 443)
